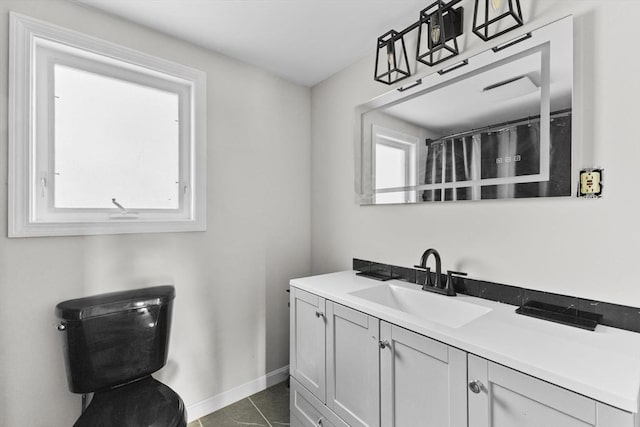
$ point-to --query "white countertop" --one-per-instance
(603, 364)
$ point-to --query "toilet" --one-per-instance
(112, 344)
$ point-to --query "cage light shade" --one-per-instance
(437, 33)
(492, 18)
(392, 62)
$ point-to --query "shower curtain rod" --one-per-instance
(494, 127)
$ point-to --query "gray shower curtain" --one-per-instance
(505, 152)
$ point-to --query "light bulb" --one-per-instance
(435, 34)
(495, 4)
(391, 53)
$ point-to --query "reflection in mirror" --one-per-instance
(395, 164)
(499, 129)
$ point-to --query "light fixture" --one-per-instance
(395, 65)
(496, 17)
(441, 24)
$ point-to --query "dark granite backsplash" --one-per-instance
(617, 316)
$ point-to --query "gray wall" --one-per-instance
(230, 315)
(587, 248)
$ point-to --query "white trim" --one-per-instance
(219, 401)
(21, 222)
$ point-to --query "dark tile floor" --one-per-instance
(269, 408)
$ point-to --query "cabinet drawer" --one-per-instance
(308, 411)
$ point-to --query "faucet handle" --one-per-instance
(457, 273)
(451, 274)
(449, 281)
(427, 276)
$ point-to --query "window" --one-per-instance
(103, 139)
(394, 166)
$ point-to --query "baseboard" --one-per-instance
(219, 401)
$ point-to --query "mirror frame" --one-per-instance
(548, 39)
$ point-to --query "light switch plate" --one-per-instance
(590, 185)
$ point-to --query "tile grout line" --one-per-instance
(260, 412)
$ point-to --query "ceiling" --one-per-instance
(304, 41)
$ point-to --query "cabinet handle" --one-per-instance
(384, 344)
(319, 314)
(476, 386)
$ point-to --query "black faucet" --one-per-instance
(423, 265)
(445, 288)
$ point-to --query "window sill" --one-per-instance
(112, 227)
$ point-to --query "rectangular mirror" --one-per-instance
(498, 127)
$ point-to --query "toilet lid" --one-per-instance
(144, 403)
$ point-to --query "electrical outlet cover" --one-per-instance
(590, 183)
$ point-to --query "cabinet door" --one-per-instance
(422, 381)
(353, 366)
(307, 352)
(503, 397)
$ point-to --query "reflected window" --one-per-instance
(395, 165)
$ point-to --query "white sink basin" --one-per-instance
(411, 300)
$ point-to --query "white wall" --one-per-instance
(230, 315)
(588, 248)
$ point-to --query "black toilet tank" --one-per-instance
(115, 338)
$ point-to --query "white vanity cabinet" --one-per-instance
(370, 373)
(334, 355)
(376, 366)
(423, 382)
(502, 397)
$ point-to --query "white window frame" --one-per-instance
(406, 143)
(35, 46)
